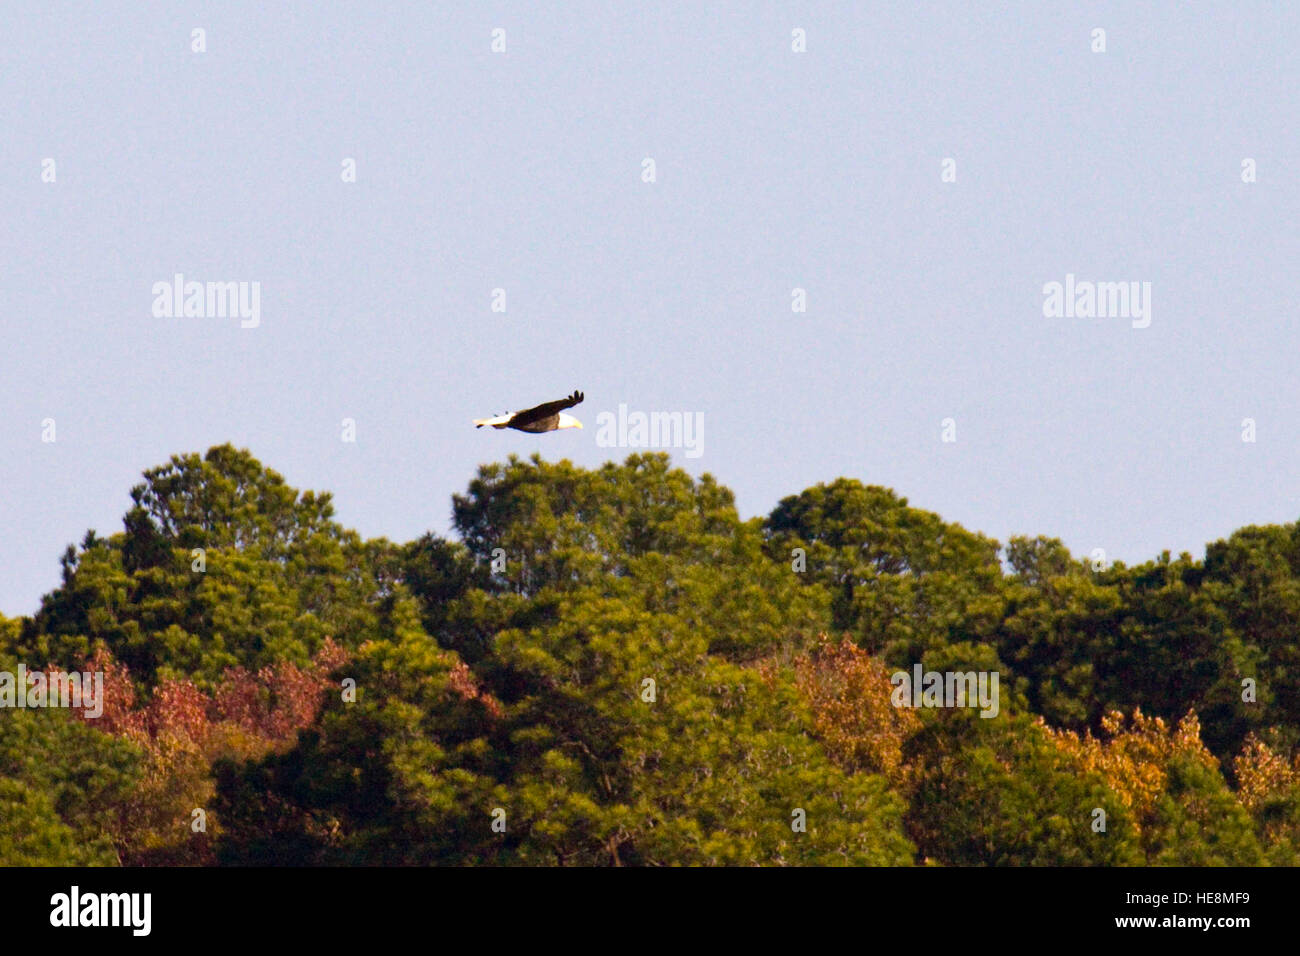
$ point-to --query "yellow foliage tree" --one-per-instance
(1263, 774)
(1135, 760)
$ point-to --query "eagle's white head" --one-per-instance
(568, 421)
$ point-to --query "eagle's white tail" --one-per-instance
(498, 422)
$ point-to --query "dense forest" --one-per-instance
(610, 667)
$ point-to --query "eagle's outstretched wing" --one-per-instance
(545, 410)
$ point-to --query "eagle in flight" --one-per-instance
(541, 418)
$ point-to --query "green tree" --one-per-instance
(63, 787)
(998, 792)
(900, 579)
(221, 564)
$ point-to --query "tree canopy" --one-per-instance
(612, 667)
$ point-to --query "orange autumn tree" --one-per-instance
(849, 692)
(182, 730)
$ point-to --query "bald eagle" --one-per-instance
(541, 418)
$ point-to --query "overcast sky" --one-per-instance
(774, 170)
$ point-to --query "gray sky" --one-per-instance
(775, 170)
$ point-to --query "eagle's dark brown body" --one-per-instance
(547, 424)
